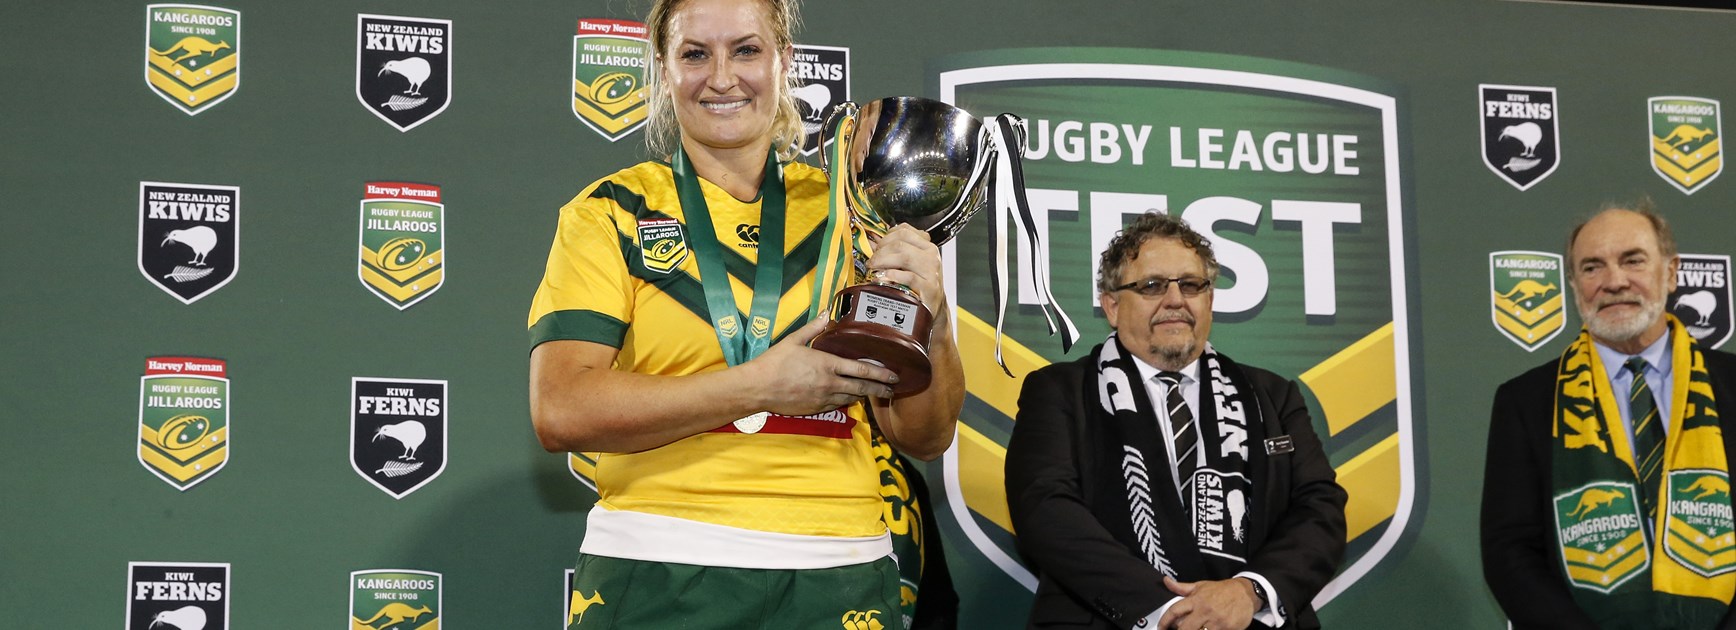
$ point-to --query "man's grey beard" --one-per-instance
(1174, 358)
(1622, 330)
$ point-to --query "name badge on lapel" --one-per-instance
(1279, 445)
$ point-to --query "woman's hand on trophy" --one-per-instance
(797, 380)
(906, 256)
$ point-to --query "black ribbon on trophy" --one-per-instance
(933, 166)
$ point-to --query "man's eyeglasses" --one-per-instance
(1153, 287)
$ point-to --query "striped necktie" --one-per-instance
(1181, 423)
(1648, 435)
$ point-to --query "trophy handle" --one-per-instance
(1019, 134)
(847, 110)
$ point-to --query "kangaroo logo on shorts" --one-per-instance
(189, 237)
(609, 76)
(177, 596)
(399, 599)
(403, 68)
(1521, 138)
(403, 252)
(184, 419)
(1526, 299)
(1599, 526)
(1702, 298)
(662, 245)
(1687, 145)
(577, 603)
(824, 72)
(397, 432)
(192, 54)
(1700, 519)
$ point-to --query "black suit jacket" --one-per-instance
(1090, 580)
(1518, 522)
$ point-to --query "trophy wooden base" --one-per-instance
(882, 324)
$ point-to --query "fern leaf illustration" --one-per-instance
(398, 469)
(400, 103)
(1139, 508)
(183, 273)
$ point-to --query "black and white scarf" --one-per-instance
(1202, 532)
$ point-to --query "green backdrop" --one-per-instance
(287, 512)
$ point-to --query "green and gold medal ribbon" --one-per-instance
(741, 341)
(837, 251)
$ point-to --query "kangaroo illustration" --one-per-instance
(576, 607)
(193, 46)
(1684, 134)
(1708, 486)
(396, 613)
(1594, 498)
(1526, 290)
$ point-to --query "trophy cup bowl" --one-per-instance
(909, 161)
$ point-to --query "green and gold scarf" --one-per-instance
(1604, 541)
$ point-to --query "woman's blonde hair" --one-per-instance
(662, 130)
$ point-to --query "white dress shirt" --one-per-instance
(1158, 393)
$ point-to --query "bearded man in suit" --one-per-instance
(1156, 483)
(1606, 492)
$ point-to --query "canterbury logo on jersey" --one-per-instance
(749, 235)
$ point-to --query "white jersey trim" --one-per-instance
(657, 538)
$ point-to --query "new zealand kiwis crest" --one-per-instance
(189, 237)
(403, 68)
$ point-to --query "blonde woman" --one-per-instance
(735, 468)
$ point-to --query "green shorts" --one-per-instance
(641, 595)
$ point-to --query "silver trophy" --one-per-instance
(916, 161)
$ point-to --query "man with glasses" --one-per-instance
(1158, 484)
(1606, 491)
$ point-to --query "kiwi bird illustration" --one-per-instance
(408, 433)
(183, 618)
(200, 238)
(414, 69)
(1527, 133)
(1703, 303)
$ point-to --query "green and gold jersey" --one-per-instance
(622, 273)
